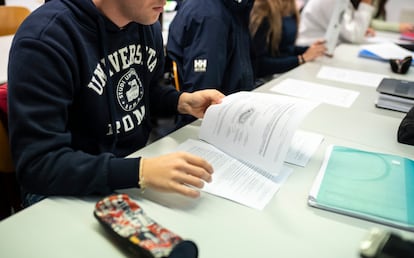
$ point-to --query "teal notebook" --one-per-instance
(368, 185)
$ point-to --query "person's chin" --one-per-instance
(154, 18)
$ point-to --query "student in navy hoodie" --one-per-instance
(83, 83)
(209, 41)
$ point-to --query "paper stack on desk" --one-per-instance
(247, 138)
(395, 94)
(384, 52)
(369, 185)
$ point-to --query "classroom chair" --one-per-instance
(10, 200)
(175, 75)
(11, 17)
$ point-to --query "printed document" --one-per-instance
(316, 92)
(303, 146)
(246, 138)
(350, 76)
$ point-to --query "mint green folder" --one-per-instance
(368, 185)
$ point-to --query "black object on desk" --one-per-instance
(384, 244)
(396, 87)
(395, 94)
(405, 132)
(408, 46)
(401, 66)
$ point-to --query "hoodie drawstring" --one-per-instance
(109, 84)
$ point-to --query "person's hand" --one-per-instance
(366, 1)
(179, 172)
(370, 32)
(196, 103)
(314, 51)
(406, 27)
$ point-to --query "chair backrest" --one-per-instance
(11, 17)
(175, 75)
(6, 162)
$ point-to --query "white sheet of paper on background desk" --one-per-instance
(377, 39)
(387, 50)
(316, 92)
(350, 76)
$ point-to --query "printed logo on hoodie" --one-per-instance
(119, 61)
(200, 65)
(125, 62)
(129, 91)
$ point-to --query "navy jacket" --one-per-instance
(65, 103)
(265, 62)
(210, 42)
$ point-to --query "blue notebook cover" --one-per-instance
(374, 186)
(368, 54)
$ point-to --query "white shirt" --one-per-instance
(315, 19)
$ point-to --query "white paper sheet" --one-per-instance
(246, 139)
(316, 92)
(256, 128)
(241, 183)
(387, 50)
(350, 76)
(302, 147)
(235, 180)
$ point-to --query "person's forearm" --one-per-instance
(385, 26)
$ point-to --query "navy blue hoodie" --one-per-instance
(267, 63)
(210, 42)
(64, 107)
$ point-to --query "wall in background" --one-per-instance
(394, 8)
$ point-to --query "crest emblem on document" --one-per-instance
(130, 90)
(200, 65)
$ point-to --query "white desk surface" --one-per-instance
(287, 227)
(346, 56)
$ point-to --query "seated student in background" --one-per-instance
(355, 23)
(379, 20)
(210, 42)
(274, 28)
(86, 101)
